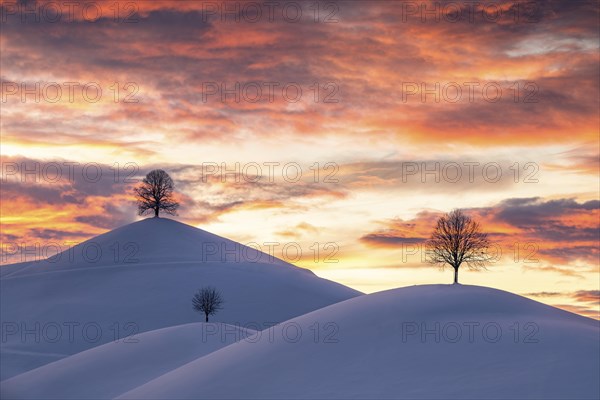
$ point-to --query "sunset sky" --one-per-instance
(364, 121)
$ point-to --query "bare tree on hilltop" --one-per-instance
(457, 239)
(156, 194)
(208, 300)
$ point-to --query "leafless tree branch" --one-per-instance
(156, 194)
(457, 239)
(208, 300)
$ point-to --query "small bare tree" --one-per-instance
(457, 239)
(208, 300)
(156, 193)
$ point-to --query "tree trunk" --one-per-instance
(206, 317)
(455, 275)
(156, 212)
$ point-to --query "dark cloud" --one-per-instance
(172, 50)
(586, 296)
(569, 252)
(533, 212)
(440, 175)
(589, 296)
(389, 239)
(63, 181)
(544, 294)
(567, 272)
(55, 234)
(99, 196)
(558, 230)
(580, 309)
(110, 216)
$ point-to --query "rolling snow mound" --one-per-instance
(143, 278)
(432, 341)
(113, 368)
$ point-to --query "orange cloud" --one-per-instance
(554, 231)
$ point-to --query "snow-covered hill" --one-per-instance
(139, 278)
(149, 241)
(113, 368)
(60, 321)
(434, 341)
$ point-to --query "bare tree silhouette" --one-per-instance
(208, 300)
(156, 194)
(457, 239)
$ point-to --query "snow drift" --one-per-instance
(113, 368)
(139, 278)
(434, 341)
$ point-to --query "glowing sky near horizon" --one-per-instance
(394, 96)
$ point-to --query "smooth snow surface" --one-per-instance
(143, 279)
(377, 346)
(113, 368)
(60, 321)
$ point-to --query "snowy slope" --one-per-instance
(149, 241)
(113, 368)
(373, 347)
(50, 310)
